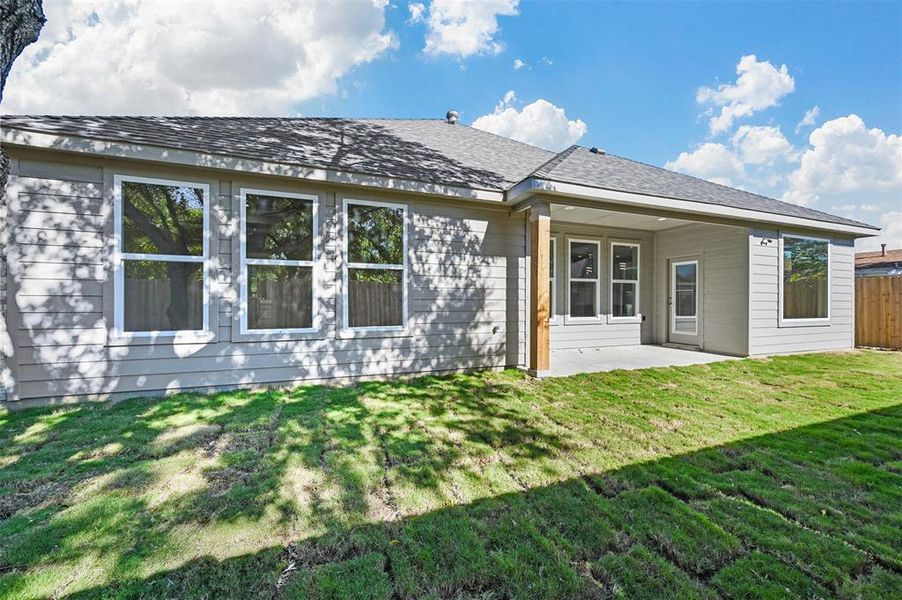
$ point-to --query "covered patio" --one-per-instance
(593, 360)
(616, 287)
(625, 255)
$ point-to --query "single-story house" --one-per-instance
(147, 255)
(879, 263)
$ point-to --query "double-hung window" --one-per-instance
(375, 265)
(624, 281)
(278, 253)
(160, 276)
(805, 279)
(585, 278)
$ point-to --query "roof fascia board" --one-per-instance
(676, 208)
(145, 152)
(619, 207)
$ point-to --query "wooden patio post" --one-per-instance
(539, 219)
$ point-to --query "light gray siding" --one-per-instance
(602, 332)
(467, 284)
(466, 293)
(766, 334)
(722, 252)
(6, 341)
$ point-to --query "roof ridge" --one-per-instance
(220, 118)
(554, 161)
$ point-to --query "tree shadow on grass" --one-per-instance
(117, 484)
(806, 512)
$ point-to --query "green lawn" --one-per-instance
(758, 478)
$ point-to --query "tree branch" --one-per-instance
(20, 23)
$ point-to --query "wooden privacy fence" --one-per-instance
(804, 299)
(148, 300)
(374, 304)
(878, 312)
(281, 303)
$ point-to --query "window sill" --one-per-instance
(160, 338)
(624, 320)
(791, 323)
(582, 320)
(374, 332)
(274, 335)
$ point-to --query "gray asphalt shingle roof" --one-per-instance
(580, 166)
(419, 149)
(427, 150)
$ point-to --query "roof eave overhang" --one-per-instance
(522, 193)
(11, 137)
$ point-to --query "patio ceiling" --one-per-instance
(608, 218)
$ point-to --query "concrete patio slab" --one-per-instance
(593, 360)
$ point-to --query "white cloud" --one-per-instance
(519, 64)
(143, 57)
(417, 11)
(845, 157)
(463, 28)
(541, 123)
(758, 145)
(854, 171)
(750, 160)
(852, 208)
(810, 118)
(847, 169)
(714, 162)
(547, 61)
(891, 233)
(759, 85)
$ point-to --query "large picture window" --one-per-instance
(375, 266)
(278, 253)
(161, 231)
(805, 265)
(624, 281)
(584, 278)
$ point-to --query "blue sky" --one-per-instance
(716, 90)
(631, 70)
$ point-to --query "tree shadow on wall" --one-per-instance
(466, 271)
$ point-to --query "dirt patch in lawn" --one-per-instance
(31, 493)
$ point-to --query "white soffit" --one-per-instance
(607, 218)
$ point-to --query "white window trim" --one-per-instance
(596, 280)
(552, 278)
(347, 265)
(118, 258)
(673, 315)
(814, 321)
(638, 316)
(245, 261)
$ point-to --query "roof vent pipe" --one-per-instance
(452, 117)
(882, 249)
(595, 150)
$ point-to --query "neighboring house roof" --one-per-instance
(876, 260)
(424, 150)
